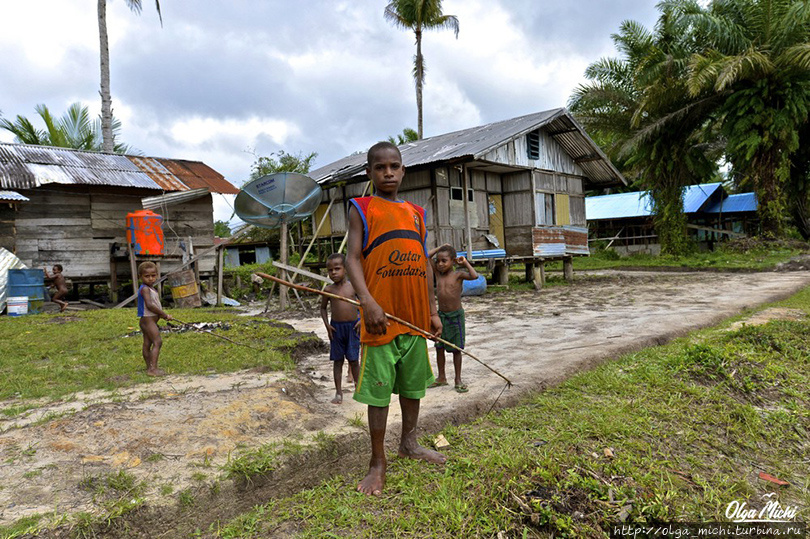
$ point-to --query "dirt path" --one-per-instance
(176, 433)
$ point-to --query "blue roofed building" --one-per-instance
(625, 220)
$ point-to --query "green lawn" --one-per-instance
(757, 259)
(689, 426)
(52, 356)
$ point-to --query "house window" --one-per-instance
(533, 145)
(456, 194)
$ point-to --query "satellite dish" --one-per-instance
(283, 197)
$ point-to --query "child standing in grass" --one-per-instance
(449, 283)
(60, 284)
(388, 266)
(149, 311)
(344, 327)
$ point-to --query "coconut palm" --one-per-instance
(107, 131)
(419, 15)
(757, 54)
(73, 129)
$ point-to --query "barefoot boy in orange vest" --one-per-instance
(388, 267)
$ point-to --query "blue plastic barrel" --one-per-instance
(30, 283)
(474, 287)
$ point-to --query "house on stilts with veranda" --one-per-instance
(511, 191)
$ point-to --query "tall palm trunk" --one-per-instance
(419, 75)
(108, 142)
(766, 168)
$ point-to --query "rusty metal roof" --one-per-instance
(24, 166)
(476, 142)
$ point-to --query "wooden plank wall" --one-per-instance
(8, 215)
(518, 200)
(74, 225)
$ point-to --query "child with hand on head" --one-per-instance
(60, 284)
(388, 267)
(149, 311)
(449, 283)
(343, 329)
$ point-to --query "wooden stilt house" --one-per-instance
(71, 209)
(509, 191)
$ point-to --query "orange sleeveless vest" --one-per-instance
(394, 263)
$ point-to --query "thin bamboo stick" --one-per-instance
(391, 316)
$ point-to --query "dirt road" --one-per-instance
(175, 433)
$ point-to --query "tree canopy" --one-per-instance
(726, 80)
(74, 129)
(286, 162)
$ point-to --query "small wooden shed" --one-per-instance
(76, 203)
(510, 191)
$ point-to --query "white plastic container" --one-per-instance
(17, 305)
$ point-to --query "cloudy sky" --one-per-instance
(221, 82)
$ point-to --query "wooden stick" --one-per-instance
(211, 333)
(391, 316)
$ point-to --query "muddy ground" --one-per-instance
(176, 433)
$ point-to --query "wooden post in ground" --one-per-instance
(282, 290)
(133, 268)
(220, 272)
(539, 274)
(113, 280)
(568, 268)
(501, 272)
(465, 173)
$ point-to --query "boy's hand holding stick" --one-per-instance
(392, 317)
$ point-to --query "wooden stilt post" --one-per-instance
(502, 272)
(539, 274)
(568, 268)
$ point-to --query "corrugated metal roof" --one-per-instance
(639, 204)
(12, 196)
(695, 196)
(24, 166)
(618, 206)
(476, 142)
(742, 202)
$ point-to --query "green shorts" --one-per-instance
(453, 329)
(402, 366)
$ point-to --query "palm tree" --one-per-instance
(73, 130)
(107, 131)
(639, 106)
(757, 55)
(418, 15)
(407, 135)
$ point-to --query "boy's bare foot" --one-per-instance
(156, 372)
(338, 399)
(62, 306)
(422, 453)
(374, 481)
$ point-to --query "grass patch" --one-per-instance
(255, 461)
(671, 433)
(54, 356)
(760, 257)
